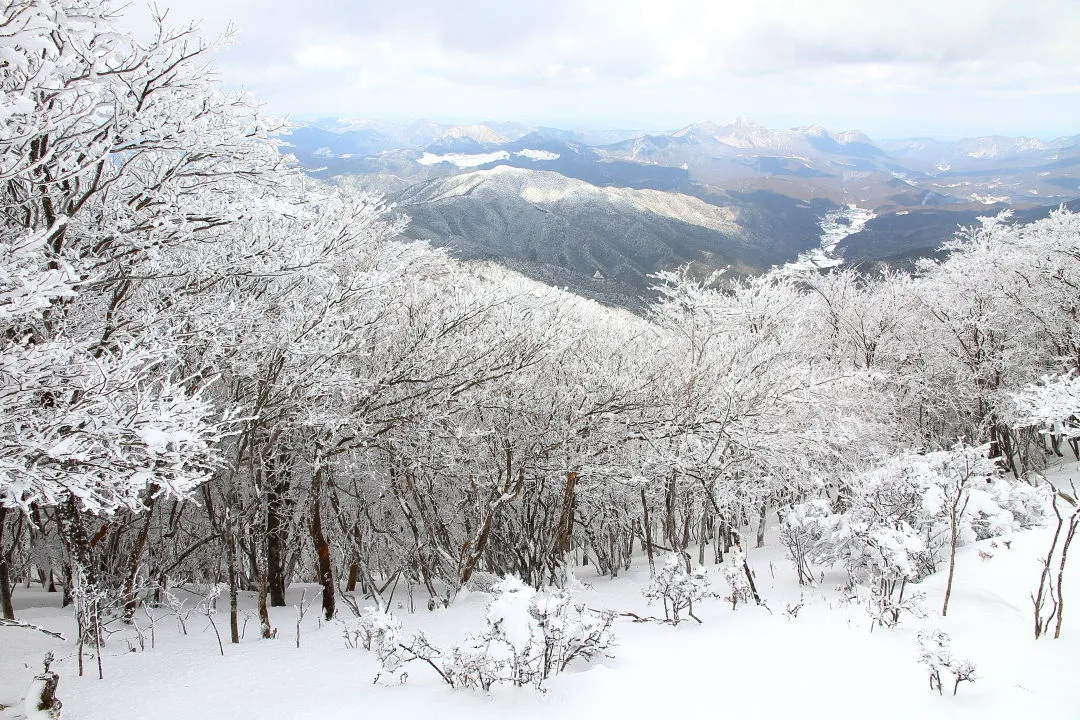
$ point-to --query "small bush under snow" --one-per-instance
(530, 635)
(935, 653)
(678, 589)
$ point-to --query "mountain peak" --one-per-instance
(847, 137)
(741, 121)
(479, 133)
(705, 128)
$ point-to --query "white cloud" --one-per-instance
(324, 56)
(921, 65)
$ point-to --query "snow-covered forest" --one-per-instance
(223, 381)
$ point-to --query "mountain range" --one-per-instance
(600, 211)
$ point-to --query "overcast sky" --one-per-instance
(891, 68)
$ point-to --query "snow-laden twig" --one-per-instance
(30, 626)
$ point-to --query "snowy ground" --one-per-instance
(825, 662)
(835, 226)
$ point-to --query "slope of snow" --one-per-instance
(835, 226)
(684, 208)
(745, 134)
(989, 199)
(547, 188)
(989, 148)
(480, 133)
(852, 136)
(537, 154)
(826, 661)
(464, 160)
(469, 160)
(742, 134)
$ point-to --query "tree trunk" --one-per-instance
(761, 526)
(130, 601)
(565, 527)
(74, 537)
(750, 580)
(265, 630)
(703, 537)
(354, 575)
(6, 606)
(648, 532)
(318, 537)
(953, 532)
(1045, 579)
(670, 531)
(230, 556)
(1073, 521)
(473, 550)
(41, 698)
(277, 529)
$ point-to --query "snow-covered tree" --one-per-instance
(678, 588)
(119, 157)
(1052, 405)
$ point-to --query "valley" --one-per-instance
(599, 213)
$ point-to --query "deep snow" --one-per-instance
(826, 662)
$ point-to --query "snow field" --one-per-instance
(825, 660)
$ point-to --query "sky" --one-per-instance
(898, 68)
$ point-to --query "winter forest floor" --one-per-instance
(753, 661)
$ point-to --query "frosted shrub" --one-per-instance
(512, 634)
(482, 581)
(569, 630)
(1008, 507)
(936, 654)
(801, 533)
(377, 630)
(678, 589)
(879, 540)
(373, 629)
(477, 667)
(735, 575)
(892, 559)
(902, 519)
(529, 636)
(541, 632)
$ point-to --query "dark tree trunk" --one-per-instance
(354, 575)
(703, 537)
(565, 528)
(230, 557)
(750, 580)
(136, 556)
(318, 537)
(647, 531)
(6, 606)
(473, 550)
(74, 537)
(265, 630)
(277, 511)
(37, 521)
(670, 533)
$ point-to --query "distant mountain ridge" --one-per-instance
(600, 212)
(603, 242)
(807, 162)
